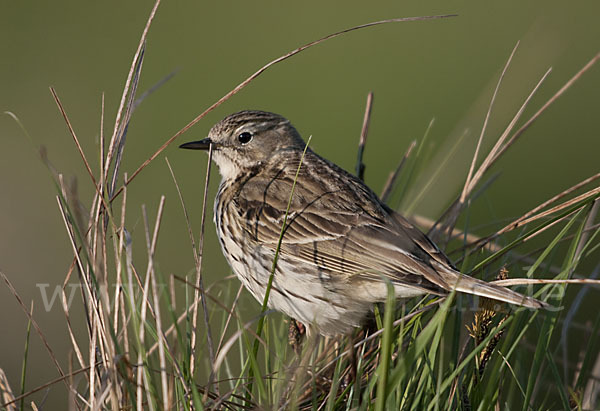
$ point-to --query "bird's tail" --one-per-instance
(463, 283)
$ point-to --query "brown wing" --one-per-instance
(338, 225)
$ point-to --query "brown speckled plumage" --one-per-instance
(341, 246)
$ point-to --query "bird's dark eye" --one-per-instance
(245, 137)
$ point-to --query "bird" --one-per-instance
(341, 245)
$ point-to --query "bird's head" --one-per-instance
(248, 139)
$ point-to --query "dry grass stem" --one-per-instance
(229, 310)
(118, 249)
(172, 327)
(360, 166)
(199, 289)
(37, 328)
(46, 385)
(499, 148)
(530, 281)
(230, 315)
(87, 288)
(392, 177)
(199, 292)
(246, 328)
(142, 378)
(466, 190)
(126, 88)
(477, 244)
(96, 314)
(449, 218)
(585, 233)
(72, 132)
(559, 93)
(65, 305)
(530, 218)
(6, 395)
(161, 340)
(118, 143)
(184, 209)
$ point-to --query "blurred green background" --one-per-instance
(442, 69)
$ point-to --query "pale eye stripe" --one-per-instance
(243, 127)
(254, 127)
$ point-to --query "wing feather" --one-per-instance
(351, 240)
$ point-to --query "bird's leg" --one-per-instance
(296, 332)
(352, 375)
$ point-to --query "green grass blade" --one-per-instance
(552, 317)
(261, 321)
(386, 349)
(404, 369)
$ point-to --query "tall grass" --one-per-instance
(147, 349)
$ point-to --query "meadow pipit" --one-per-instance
(341, 246)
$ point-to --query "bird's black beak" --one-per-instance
(203, 144)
